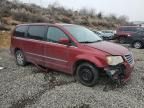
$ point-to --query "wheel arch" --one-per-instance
(97, 64)
(136, 41)
(16, 49)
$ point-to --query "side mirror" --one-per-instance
(64, 41)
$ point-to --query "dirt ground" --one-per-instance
(28, 87)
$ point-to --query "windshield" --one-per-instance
(82, 34)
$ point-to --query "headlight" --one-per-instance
(114, 60)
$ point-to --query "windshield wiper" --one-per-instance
(90, 41)
(86, 42)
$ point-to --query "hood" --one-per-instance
(109, 47)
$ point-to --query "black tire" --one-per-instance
(20, 59)
(122, 40)
(137, 45)
(87, 74)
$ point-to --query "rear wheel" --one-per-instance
(137, 44)
(87, 74)
(20, 59)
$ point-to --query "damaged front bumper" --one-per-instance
(121, 72)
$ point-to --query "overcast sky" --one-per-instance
(134, 9)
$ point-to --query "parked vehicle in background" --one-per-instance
(72, 49)
(136, 40)
(123, 32)
(108, 34)
(105, 35)
(100, 34)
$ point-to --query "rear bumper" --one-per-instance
(120, 72)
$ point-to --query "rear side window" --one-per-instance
(37, 32)
(20, 31)
(54, 34)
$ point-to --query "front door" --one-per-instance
(56, 54)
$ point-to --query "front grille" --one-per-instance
(129, 58)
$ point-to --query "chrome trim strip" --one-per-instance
(59, 44)
(54, 43)
(47, 57)
(42, 41)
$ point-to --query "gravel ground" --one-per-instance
(28, 87)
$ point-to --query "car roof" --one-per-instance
(54, 24)
(129, 27)
(106, 30)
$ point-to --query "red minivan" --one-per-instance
(72, 49)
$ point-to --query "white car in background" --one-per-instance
(108, 34)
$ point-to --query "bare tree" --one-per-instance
(100, 15)
(87, 12)
(15, 1)
(123, 18)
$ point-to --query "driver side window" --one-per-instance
(54, 34)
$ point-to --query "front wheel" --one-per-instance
(87, 74)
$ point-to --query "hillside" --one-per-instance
(13, 13)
